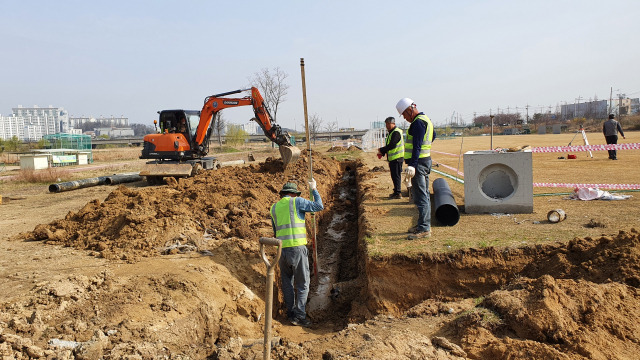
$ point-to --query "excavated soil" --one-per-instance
(175, 272)
(230, 203)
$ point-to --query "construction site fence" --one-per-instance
(374, 139)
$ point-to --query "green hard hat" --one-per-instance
(290, 187)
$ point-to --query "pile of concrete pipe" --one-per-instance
(101, 180)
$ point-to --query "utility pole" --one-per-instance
(491, 116)
(620, 96)
(575, 111)
(610, 100)
(527, 113)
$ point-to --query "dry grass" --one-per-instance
(9, 159)
(49, 175)
(116, 154)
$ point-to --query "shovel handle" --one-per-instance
(272, 242)
(268, 302)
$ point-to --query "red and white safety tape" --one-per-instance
(578, 148)
(599, 186)
(445, 153)
(568, 185)
(451, 168)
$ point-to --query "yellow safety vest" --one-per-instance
(396, 152)
(290, 229)
(425, 149)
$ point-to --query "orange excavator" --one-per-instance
(181, 147)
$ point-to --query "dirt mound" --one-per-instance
(188, 306)
(580, 301)
(231, 202)
(337, 149)
(560, 318)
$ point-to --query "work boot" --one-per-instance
(420, 235)
(395, 196)
(412, 230)
(304, 322)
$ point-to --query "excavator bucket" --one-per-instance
(289, 154)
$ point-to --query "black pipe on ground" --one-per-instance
(122, 178)
(77, 184)
(447, 212)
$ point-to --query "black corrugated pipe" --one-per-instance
(77, 184)
(447, 212)
(122, 178)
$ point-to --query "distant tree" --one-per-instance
(218, 127)
(142, 129)
(538, 118)
(315, 123)
(88, 126)
(331, 127)
(579, 121)
(272, 87)
(42, 144)
(1, 145)
(12, 144)
(236, 135)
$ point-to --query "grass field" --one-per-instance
(584, 218)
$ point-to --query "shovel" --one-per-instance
(268, 299)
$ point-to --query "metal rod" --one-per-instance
(306, 124)
(491, 116)
(268, 299)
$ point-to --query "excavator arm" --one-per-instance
(215, 103)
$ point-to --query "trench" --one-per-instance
(397, 283)
(394, 284)
(339, 264)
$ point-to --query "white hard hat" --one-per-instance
(403, 104)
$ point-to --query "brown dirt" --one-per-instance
(175, 272)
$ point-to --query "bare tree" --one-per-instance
(272, 86)
(315, 123)
(218, 127)
(331, 127)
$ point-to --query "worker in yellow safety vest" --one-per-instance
(417, 155)
(287, 219)
(394, 149)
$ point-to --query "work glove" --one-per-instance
(379, 155)
(411, 171)
(312, 184)
(407, 181)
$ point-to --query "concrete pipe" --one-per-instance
(122, 178)
(77, 184)
(447, 212)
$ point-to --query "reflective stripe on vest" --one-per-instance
(290, 229)
(425, 149)
(398, 151)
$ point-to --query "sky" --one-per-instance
(453, 58)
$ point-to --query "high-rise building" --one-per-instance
(32, 123)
